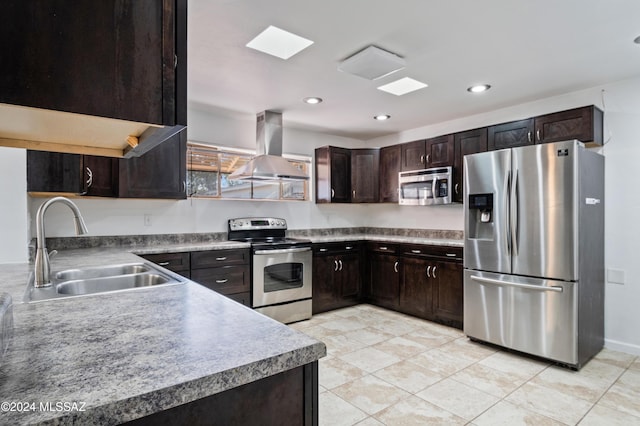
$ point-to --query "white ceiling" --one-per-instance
(526, 49)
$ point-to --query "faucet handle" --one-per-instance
(52, 253)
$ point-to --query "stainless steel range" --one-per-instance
(281, 268)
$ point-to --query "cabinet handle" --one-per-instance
(457, 188)
(175, 61)
(184, 186)
(395, 266)
(340, 261)
(354, 193)
(164, 263)
(451, 255)
(428, 157)
(422, 159)
(429, 271)
(222, 281)
(348, 247)
(538, 135)
(416, 251)
(220, 259)
(323, 249)
(335, 267)
(90, 177)
(383, 248)
(333, 193)
(434, 272)
(529, 136)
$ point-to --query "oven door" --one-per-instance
(281, 275)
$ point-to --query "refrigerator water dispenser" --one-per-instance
(481, 217)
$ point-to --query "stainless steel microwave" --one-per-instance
(425, 187)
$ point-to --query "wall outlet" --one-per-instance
(615, 276)
(147, 219)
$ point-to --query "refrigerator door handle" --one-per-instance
(518, 285)
(507, 206)
(514, 214)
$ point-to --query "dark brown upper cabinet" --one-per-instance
(365, 175)
(333, 175)
(469, 142)
(584, 124)
(390, 164)
(113, 58)
(510, 135)
(434, 152)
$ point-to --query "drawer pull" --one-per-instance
(323, 249)
(384, 248)
(164, 263)
(348, 247)
(416, 251)
(451, 255)
(221, 281)
(221, 258)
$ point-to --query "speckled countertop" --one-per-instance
(122, 356)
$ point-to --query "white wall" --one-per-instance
(622, 151)
(13, 210)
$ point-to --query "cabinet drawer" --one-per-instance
(214, 258)
(444, 252)
(177, 262)
(225, 280)
(336, 248)
(382, 247)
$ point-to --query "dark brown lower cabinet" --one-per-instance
(336, 276)
(287, 398)
(384, 273)
(416, 291)
(447, 293)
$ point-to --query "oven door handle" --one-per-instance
(283, 251)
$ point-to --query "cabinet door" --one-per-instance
(416, 289)
(470, 142)
(340, 165)
(112, 58)
(413, 155)
(350, 280)
(439, 151)
(364, 175)
(448, 297)
(390, 164)
(54, 172)
(101, 175)
(323, 288)
(160, 173)
(385, 280)
(584, 124)
(509, 135)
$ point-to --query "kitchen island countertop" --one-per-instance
(120, 356)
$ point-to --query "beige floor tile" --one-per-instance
(319, 332)
(334, 411)
(550, 402)
(468, 349)
(397, 327)
(370, 421)
(440, 361)
(590, 383)
(339, 344)
(601, 415)
(401, 347)
(335, 372)
(442, 329)
(507, 414)
(414, 411)
(370, 359)
(369, 335)
(370, 394)
(624, 395)
(518, 365)
(619, 359)
(458, 398)
(489, 380)
(635, 365)
(343, 324)
(428, 337)
(321, 389)
(408, 376)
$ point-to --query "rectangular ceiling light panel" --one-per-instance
(279, 43)
(403, 86)
(372, 63)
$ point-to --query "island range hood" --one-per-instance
(268, 164)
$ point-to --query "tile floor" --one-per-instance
(386, 368)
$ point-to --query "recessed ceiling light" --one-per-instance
(403, 86)
(280, 43)
(312, 100)
(381, 117)
(636, 40)
(479, 88)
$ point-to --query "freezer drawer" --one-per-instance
(530, 315)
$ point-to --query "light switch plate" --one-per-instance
(615, 276)
(147, 220)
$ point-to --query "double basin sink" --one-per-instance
(101, 279)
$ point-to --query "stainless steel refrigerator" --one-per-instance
(534, 250)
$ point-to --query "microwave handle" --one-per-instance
(434, 185)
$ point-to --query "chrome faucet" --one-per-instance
(42, 267)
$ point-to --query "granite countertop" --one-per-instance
(388, 238)
(122, 356)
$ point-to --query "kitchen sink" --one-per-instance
(101, 279)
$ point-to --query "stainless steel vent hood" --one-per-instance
(268, 164)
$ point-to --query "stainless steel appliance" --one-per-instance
(425, 187)
(281, 268)
(534, 250)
